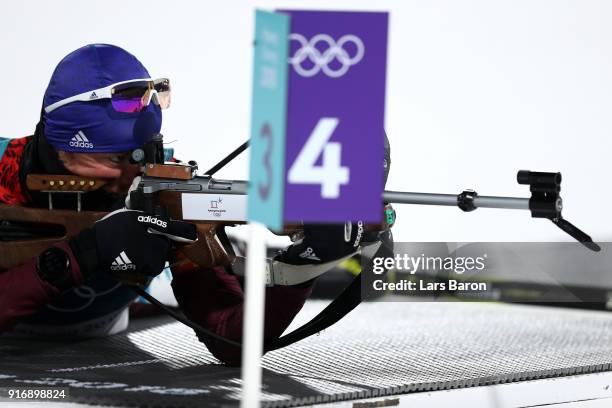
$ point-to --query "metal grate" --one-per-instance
(379, 349)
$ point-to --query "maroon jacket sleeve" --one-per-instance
(23, 292)
(214, 299)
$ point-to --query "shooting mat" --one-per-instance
(379, 349)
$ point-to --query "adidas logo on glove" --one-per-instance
(152, 220)
(309, 253)
(80, 140)
(122, 263)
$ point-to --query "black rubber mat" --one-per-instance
(379, 349)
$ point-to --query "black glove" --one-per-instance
(129, 243)
(329, 242)
(323, 243)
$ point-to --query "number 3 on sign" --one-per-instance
(330, 174)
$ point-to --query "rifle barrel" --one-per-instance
(451, 200)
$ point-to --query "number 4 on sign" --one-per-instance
(330, 174)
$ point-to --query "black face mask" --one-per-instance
(39, 157)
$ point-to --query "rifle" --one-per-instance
(175, 190)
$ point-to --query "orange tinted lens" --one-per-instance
(163, 99)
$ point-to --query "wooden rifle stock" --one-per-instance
(16, 250)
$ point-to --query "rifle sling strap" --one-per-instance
(336, 310)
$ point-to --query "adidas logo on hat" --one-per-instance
(80, 140)
(122, 263)
(93, 96)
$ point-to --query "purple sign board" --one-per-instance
(335, 116)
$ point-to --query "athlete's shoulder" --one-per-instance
(12, 148)
(11, 151)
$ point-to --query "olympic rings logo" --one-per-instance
(321, 60)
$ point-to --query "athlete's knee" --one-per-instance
(226, 353)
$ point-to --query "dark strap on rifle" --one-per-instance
(199, 329)
(227, 159)
(336, 310)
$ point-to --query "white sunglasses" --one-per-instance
(126, 96)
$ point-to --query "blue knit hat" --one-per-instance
(89, 127)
